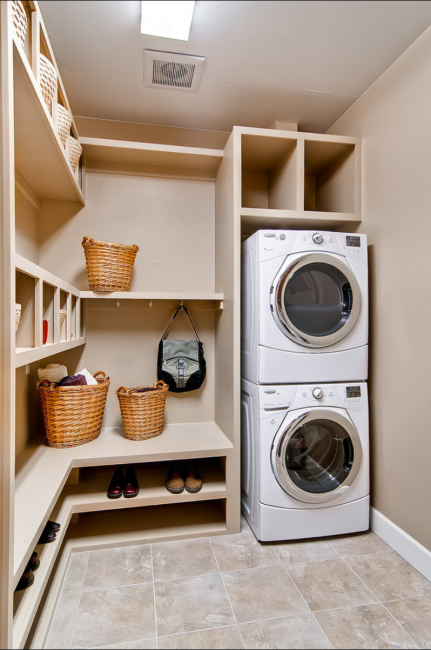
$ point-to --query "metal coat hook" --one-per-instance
(150, 304)
(182, 303)
(118, 304)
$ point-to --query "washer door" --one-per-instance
(315, 299)
(316, 454)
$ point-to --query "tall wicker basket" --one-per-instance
(143, 412)
(73, 414)
(109, 266)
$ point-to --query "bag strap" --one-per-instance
(181, 307)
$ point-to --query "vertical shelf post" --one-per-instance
(56, 314)
(35, 44)
(38, 313)
(69, 317)
(300, 187)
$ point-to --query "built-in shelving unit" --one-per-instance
(188, 208)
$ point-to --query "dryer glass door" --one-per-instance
(317, 299)
(317, 456)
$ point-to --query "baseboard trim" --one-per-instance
(416, 554)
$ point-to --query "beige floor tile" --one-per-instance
(415, 617)
(142, 644)
(113, 616)
(183, 559)
(293, 632)
(61, 628)
(191, 604)
(389, 576)
(369, 626)
(303, 552)
(258, 594)
(222, 638)
(360, 544)
(330, 584)
(243, 551)
(118, 567)
(75, 573)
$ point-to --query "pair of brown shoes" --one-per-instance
(27, 578)
(179, 480)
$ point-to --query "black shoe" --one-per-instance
(116, 486)
(193, 479)
(131, 487)
(47, 537)
(26, 580)
(34, 562)
(53, 526)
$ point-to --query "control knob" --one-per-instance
(317, 393)
(317, 238)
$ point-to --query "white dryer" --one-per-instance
(305, 460)
(304, 307)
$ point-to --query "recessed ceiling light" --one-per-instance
(167, 19)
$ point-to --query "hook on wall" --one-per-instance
(118, 304)
(150, 304)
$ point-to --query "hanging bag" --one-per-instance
(181, 364)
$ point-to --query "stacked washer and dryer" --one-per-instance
(305, 441)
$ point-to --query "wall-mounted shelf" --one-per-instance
(39, 154)
(116, 155)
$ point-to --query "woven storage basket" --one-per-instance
(64, 120)
(73, 414)
(143, 413)
(109, 266)
(48, 79)
(75, 151)
(19, 19)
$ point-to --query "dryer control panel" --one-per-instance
(352, 396)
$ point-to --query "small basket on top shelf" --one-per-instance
(109, 266)
(73, 414)
(143, 410)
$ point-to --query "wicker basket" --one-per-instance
(73, 414)
(48, 79)
(109, 266)
(19, 19)
(64, 120)
(143, 412)
(75, 151)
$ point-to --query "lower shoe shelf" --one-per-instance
(42, 473)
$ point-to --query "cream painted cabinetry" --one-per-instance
(187, 208)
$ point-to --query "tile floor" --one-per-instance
(233, 592)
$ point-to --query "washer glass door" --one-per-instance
(317, 456)
(317, 299)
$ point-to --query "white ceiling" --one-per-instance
(302, 61)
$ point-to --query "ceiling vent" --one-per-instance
(172, 71)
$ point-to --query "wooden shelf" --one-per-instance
(253, 219)
(23, 356)
(149, 295)
(39, 154)
(46, 470)
(150, 154)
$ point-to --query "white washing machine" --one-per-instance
(304, 307)
(305, 460)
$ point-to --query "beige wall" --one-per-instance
(394, 120)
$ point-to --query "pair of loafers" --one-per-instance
(179, 480)
(49, 533)
(123, 484)
(27, 578)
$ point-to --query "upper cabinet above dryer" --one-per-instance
(299, 180)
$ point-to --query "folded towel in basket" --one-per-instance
(53, 372)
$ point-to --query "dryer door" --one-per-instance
(316, 299)
(316, 454)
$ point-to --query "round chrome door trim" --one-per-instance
(281, 441)
(278, 310)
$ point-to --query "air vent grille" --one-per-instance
(174, 75)
(171, 71)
